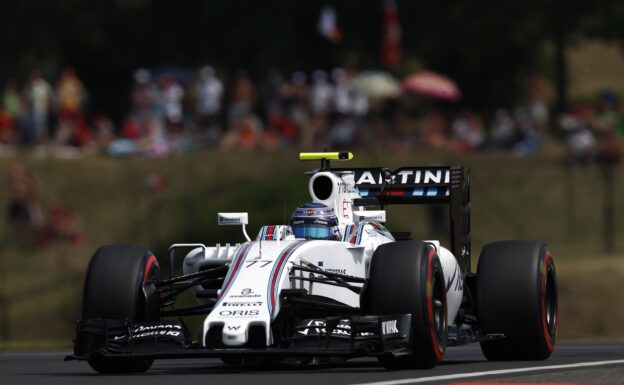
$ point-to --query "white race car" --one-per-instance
(334, 282)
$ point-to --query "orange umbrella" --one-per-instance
(431, 84)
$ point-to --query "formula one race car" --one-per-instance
(333, 283)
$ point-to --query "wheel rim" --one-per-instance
(550, 301)
(439, 306)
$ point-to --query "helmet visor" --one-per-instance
(312, 232)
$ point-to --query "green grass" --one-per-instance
(535, 198)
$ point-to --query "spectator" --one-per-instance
(10, 113)
(342, 98)
(503, 130)
(297, 99)
(11, 101)
(321, 96)
(434, 128)
(103, 131)
(38, 94)
(209, 95)
(172, 97)
(608, 117)
(243, 99)
(537, 108)
(468, 132)
(275, 94)
(246, 134)
(578, 138)
(72, 128)
(145, 98)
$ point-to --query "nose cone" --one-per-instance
(234, 334)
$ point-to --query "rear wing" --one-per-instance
(421, 185)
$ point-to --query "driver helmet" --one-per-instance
(314, 221)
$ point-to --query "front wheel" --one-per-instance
(517, 297)
(113, 290)
(407, 277)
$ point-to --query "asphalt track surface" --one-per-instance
(571, 363)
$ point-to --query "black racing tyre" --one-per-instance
(114, 290)
(517, 296)
(407, 277)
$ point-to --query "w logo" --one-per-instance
(233, 327)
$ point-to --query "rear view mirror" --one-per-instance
(370, 215)
(228, 219)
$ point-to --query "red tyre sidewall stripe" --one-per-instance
(432, 326)
(544, 274)
(148, 266)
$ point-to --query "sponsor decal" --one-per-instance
(160, 330)
(420, 176)
(330, 270)
(389, 327)
(345, 188)
(239, 313)
(317, 327)
(378, 217)
(241, 304)
(142, 328)
(245, 293)
(455, 282)
(403, 176)
(233, 328)
(368, 178)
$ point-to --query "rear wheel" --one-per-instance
(114, 290)
(407, 277)
(517, 296)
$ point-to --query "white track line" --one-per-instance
(491, 372)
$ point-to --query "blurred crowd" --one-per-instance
(594, 131)
(178, 110)
(38, 113)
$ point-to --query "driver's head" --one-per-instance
(314, 221)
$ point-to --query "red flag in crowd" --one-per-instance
(327, 25)
(391, 39)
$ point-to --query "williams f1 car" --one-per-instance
(332, 283)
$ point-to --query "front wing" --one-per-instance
(347, 337)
